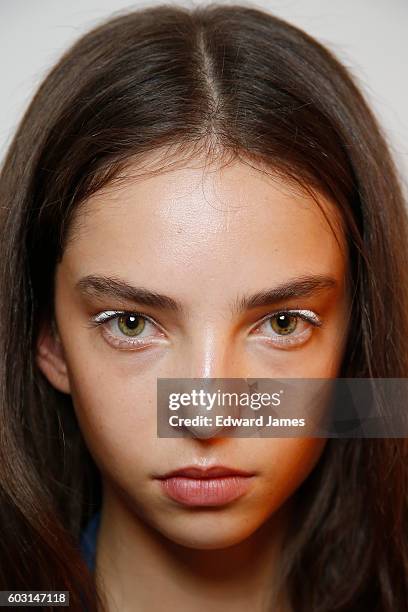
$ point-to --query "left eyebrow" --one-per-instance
(301, 286)
(107, 286)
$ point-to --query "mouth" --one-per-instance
(214, 486)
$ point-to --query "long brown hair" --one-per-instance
(241, 82)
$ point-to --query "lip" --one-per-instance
(213, 486)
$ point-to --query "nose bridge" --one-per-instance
(212, 353)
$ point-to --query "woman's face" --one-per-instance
(206, 239)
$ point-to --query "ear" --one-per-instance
(50, 357)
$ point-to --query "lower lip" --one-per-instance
(206, 491)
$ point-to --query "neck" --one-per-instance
(138, 567)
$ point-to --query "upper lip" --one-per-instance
(215, 471)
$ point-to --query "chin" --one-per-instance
(208, 533)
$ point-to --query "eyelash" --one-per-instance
(281, 340)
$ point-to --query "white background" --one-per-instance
(369, 36)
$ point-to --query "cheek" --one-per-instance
(117, 417)
(287, 462)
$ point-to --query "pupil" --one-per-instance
(283, 321)
(133, 321)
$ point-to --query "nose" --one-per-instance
(213, 355)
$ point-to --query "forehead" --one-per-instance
(196, 223)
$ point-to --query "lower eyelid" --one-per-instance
(126, 343)
(290, 337)
(286, 341)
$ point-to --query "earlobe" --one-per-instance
(50, 358)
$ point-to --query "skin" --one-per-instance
(204, 235)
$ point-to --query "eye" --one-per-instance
(130, 330)
(288, 328)
(131, 324)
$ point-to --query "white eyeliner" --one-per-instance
(308, 314)
(102, 316)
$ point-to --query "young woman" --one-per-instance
(197, 193)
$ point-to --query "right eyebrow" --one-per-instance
(108, 286)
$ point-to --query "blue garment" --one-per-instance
(88, 540)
